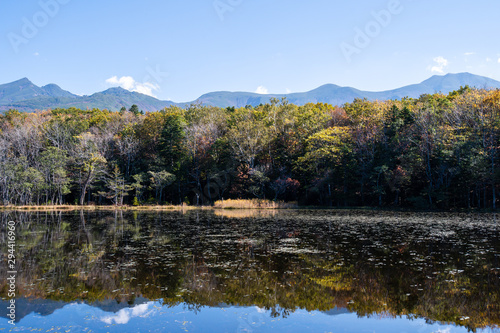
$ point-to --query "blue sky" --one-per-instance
(179, 50)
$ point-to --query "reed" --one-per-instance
(253, 204)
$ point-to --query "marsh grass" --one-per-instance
(253, 204)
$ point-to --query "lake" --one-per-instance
(253, 271)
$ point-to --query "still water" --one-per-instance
(253, 271)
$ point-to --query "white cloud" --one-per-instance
(441, 63)
(499, 60)
(36, 54)
(288, 91)
(128, 83)
(469, 53)
(488, 59)
(261, 90)
(124, 315)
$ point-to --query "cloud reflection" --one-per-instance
(124, 315)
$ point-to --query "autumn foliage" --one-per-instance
(437, 151)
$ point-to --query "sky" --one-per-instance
(180, 49)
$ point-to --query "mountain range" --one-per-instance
(24, 95)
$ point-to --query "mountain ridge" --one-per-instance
(24, 95)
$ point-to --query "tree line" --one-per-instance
(437, 151)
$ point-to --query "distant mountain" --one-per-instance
(26, 96)
(115, 98)
(336, 95)
(23, 95)
(24, 89)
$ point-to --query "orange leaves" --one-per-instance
(338, 117)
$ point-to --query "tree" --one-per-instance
(89, 163)
(32, 183)
(248, 135)
(60, 182)
(171, 143)
(491, 137)
(327, 161)
(138, 185)
(205, 127)
(128, 146)
(117, 187)
(283, 185)
(134, 109)
(258, 181)
(53, 162)
(431, 139)
(160, 180)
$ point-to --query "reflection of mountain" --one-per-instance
(112, 305)
(45, 307)
(336, 311)
(26, 306)
(437, 266)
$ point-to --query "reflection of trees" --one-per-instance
(439, 271)
(372, 267)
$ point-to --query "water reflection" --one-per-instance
(438, 267)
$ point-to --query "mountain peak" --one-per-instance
(116, 91)
(23, 81)
(51, 86)
(54, 90)
(452, 81)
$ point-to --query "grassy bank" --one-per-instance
(226, 204)
(96, 208)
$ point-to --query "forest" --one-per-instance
(435, 152)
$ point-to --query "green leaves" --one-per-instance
(160, 180)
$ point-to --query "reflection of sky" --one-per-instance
(153, 317)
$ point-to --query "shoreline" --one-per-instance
(43, 208)
(95, 208)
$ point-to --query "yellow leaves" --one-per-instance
(172, 111)
(364, 111)
(494, 96)
(328, 146)
(99, 118)
(94, 160)
(330, 137)
(492, 101)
